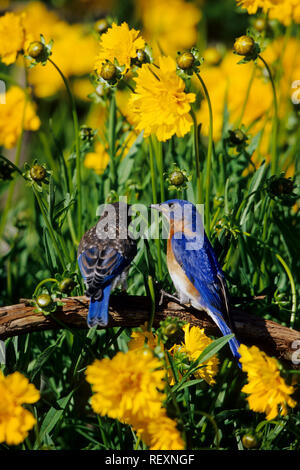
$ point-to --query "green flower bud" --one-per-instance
(249, 441)
(244, 45)
(38, 173)
(185, 60)
(101, 25)
(170, 326)
(177, 178)
(36, 49)
(86, 133)
(237, 137)
(260, 24)
(44, 300)
(108, 71)
(67, 285)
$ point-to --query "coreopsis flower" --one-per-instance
(16, 421)
(267, 391)
(161, 434)
(119, 45)
(284, 11)
(195, 341)
(142, 338)
(11, 118)
(251, 5)
(127, 387)
(97, 160)
(12, 37)
(170, 25)
(160, 104)
(229, 82)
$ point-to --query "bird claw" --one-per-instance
(164, 294)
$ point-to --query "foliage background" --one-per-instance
(255, 235)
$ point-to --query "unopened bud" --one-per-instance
(108, 71)
(185, 60)
(244, 45)
(36, 49)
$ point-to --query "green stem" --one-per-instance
(157, 146)
(50, 229)
(239, 121)
(293, 288)
(197, 158)
(152, 296)
(44, 281)
(77, 147)
(154, 197)
(209, 157)
(274, 141)
(112, 140)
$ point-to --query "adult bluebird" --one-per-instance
(193, 265)
(104, 256)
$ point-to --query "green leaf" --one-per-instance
(54, 415)
(126, 164)
(213, 348)
(45, 356)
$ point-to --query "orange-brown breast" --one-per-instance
(179, 278)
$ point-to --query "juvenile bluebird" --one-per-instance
(193, 265)
(104, 256)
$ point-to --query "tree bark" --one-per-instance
(132, 311)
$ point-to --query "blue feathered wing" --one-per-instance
(99, 268)
(203, 270)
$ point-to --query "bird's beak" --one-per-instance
(156, 207)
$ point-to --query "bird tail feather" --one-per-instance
(233, 343)
(98, 309)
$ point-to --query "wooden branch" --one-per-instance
(132, 311)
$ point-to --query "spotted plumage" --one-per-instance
(104, 257)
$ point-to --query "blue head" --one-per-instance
(178, 211)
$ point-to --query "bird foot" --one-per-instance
(164, 294)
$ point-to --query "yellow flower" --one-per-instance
(267, 390)
(195, 341)
(39, 20)
(15, 421)
(127, 386)
(161, 433)
(67, 39)
(170, 25)
(12, 37)
(97, 160)
(160, 105)
(284, 11)
(11, 117)
(138, 339)
(73, 51)
(251, 5)
(119, 43)
(82, 87)
(229, 82)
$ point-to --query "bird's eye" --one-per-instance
(171, 205)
